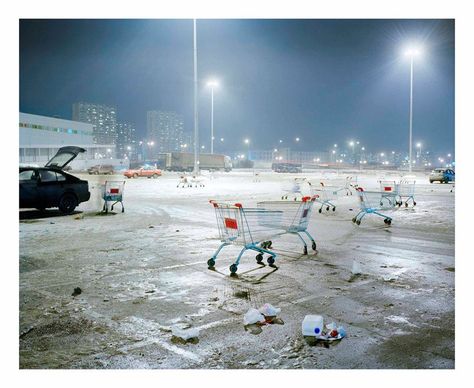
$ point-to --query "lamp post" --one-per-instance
(196, 128)
(247, 141)
(411, 53)
(419, 156)
(212, 84)
(352, 144)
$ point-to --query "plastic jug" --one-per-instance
(312, 325)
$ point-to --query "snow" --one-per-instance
(145, 270)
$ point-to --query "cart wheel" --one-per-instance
(269, 243)
(233, 269)
(414, 203)
(320, 210)
(327, 208)
(313, 245)
(271, 260)
(211, 263)
(334, 208)
(381, 203)
(389, 221)
(384, 220)
(305, 250)
(354, 219)
(123, 209)
(259, 258)
(358, 222)
(406, 204)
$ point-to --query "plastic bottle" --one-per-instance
(312, 325)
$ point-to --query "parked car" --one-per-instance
(147, 171)
(442, 175)
(106, 169)
(287, 167)
(50, 186)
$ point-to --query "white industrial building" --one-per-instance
(41, 137)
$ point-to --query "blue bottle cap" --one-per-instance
(316, 330)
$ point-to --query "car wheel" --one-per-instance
(135, 175)
(155, 176)
(67, 203)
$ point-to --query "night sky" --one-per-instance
(325, 81)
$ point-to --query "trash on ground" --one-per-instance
(185, 335)
(390, 278)
(253, 316)
(312, 325)
(77, 291)
(356, 269)
(314, 330)
(269, 312)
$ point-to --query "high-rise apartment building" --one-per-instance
(125, 139)
(102, 117)
(165, 129)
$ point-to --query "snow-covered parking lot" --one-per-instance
(143, 272)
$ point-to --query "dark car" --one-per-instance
(106, 169)
(287, 167)
(50, 186)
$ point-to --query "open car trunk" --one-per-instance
(64, 156)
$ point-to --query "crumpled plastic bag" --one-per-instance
(269, 311)
(334, 331)
(253, 316)
(185, 334)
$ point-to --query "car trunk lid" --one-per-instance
(64, 156)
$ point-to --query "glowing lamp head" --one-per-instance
(212, 84)
(413, 52)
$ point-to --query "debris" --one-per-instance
(313, 332)
(269, 312)
(312, 325)
(390, 278)
(151, 226)
(356, 270)
(77, 291)
(184, 336)
(177, 230)
(253, 316)
(79, 217)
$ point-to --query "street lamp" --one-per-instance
(212, 84)
(247, 141)
(352, 144)
(418, 145)
(411, 52)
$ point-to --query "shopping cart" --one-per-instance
(326, 196)
(389, 191)
(253, 228)
(371, 202)
(346, 186)
(112, 191)
(184, 182)
(294, 188)
(406, 190)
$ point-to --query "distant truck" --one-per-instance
(184, 161)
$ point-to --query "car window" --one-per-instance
(60, 177)
(27, 175)
(47, 176)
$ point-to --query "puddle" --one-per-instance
(242, 294)
(181, 341)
